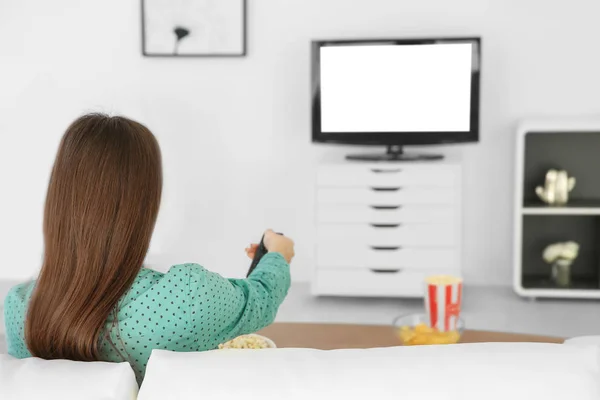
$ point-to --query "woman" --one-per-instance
(93, 300)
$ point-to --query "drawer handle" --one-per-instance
(385, 189)
(386, 171)
(385, 207)
(386, 271)
(386, 248)
(385, 225)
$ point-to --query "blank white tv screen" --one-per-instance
(396, 88)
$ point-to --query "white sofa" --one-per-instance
(34, 378)
(508, 371)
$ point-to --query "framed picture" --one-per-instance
(194, 28)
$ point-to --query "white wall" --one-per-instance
(235, 132)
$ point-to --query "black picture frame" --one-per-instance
(393, 138)
(243, 53)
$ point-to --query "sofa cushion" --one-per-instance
(34, 378)
(470, 371)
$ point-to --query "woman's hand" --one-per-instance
(251, 250)
(279, 244)
(275, 244)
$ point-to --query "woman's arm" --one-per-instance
(264, 291)
(222, 309)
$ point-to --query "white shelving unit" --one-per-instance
(580, 218)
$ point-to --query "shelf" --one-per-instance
(576, 207)
(545, 283)
(543, 287)
(559, 293)
(538, 225)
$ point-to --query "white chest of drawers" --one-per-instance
(383, 227)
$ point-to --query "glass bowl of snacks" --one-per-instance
(252, 341)
(415, 329)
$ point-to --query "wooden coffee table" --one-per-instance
(341, 336)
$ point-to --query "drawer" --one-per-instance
(354, 282)
(404, 235)
(387, 175)
(386, 214)
(375, 196)
(374, 257)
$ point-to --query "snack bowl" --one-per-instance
(251, 341)
(415, 329)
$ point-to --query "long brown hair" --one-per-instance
(100, 211)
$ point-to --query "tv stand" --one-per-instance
(382, 228)
(394, 153)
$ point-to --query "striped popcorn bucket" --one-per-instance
(442, 300)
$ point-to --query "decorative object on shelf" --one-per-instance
(555, 191)
(561, 256)
(193, 28)
(564, 185)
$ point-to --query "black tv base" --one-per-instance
(394, 153)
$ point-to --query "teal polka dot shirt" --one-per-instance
(186, 309)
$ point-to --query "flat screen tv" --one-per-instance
(396, 92)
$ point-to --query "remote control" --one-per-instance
(260, 252)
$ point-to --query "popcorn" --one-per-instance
(423, 334)
(246, 342)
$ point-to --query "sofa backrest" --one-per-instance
(34, 378)
(516, 371)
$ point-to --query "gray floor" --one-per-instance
(486, 308)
